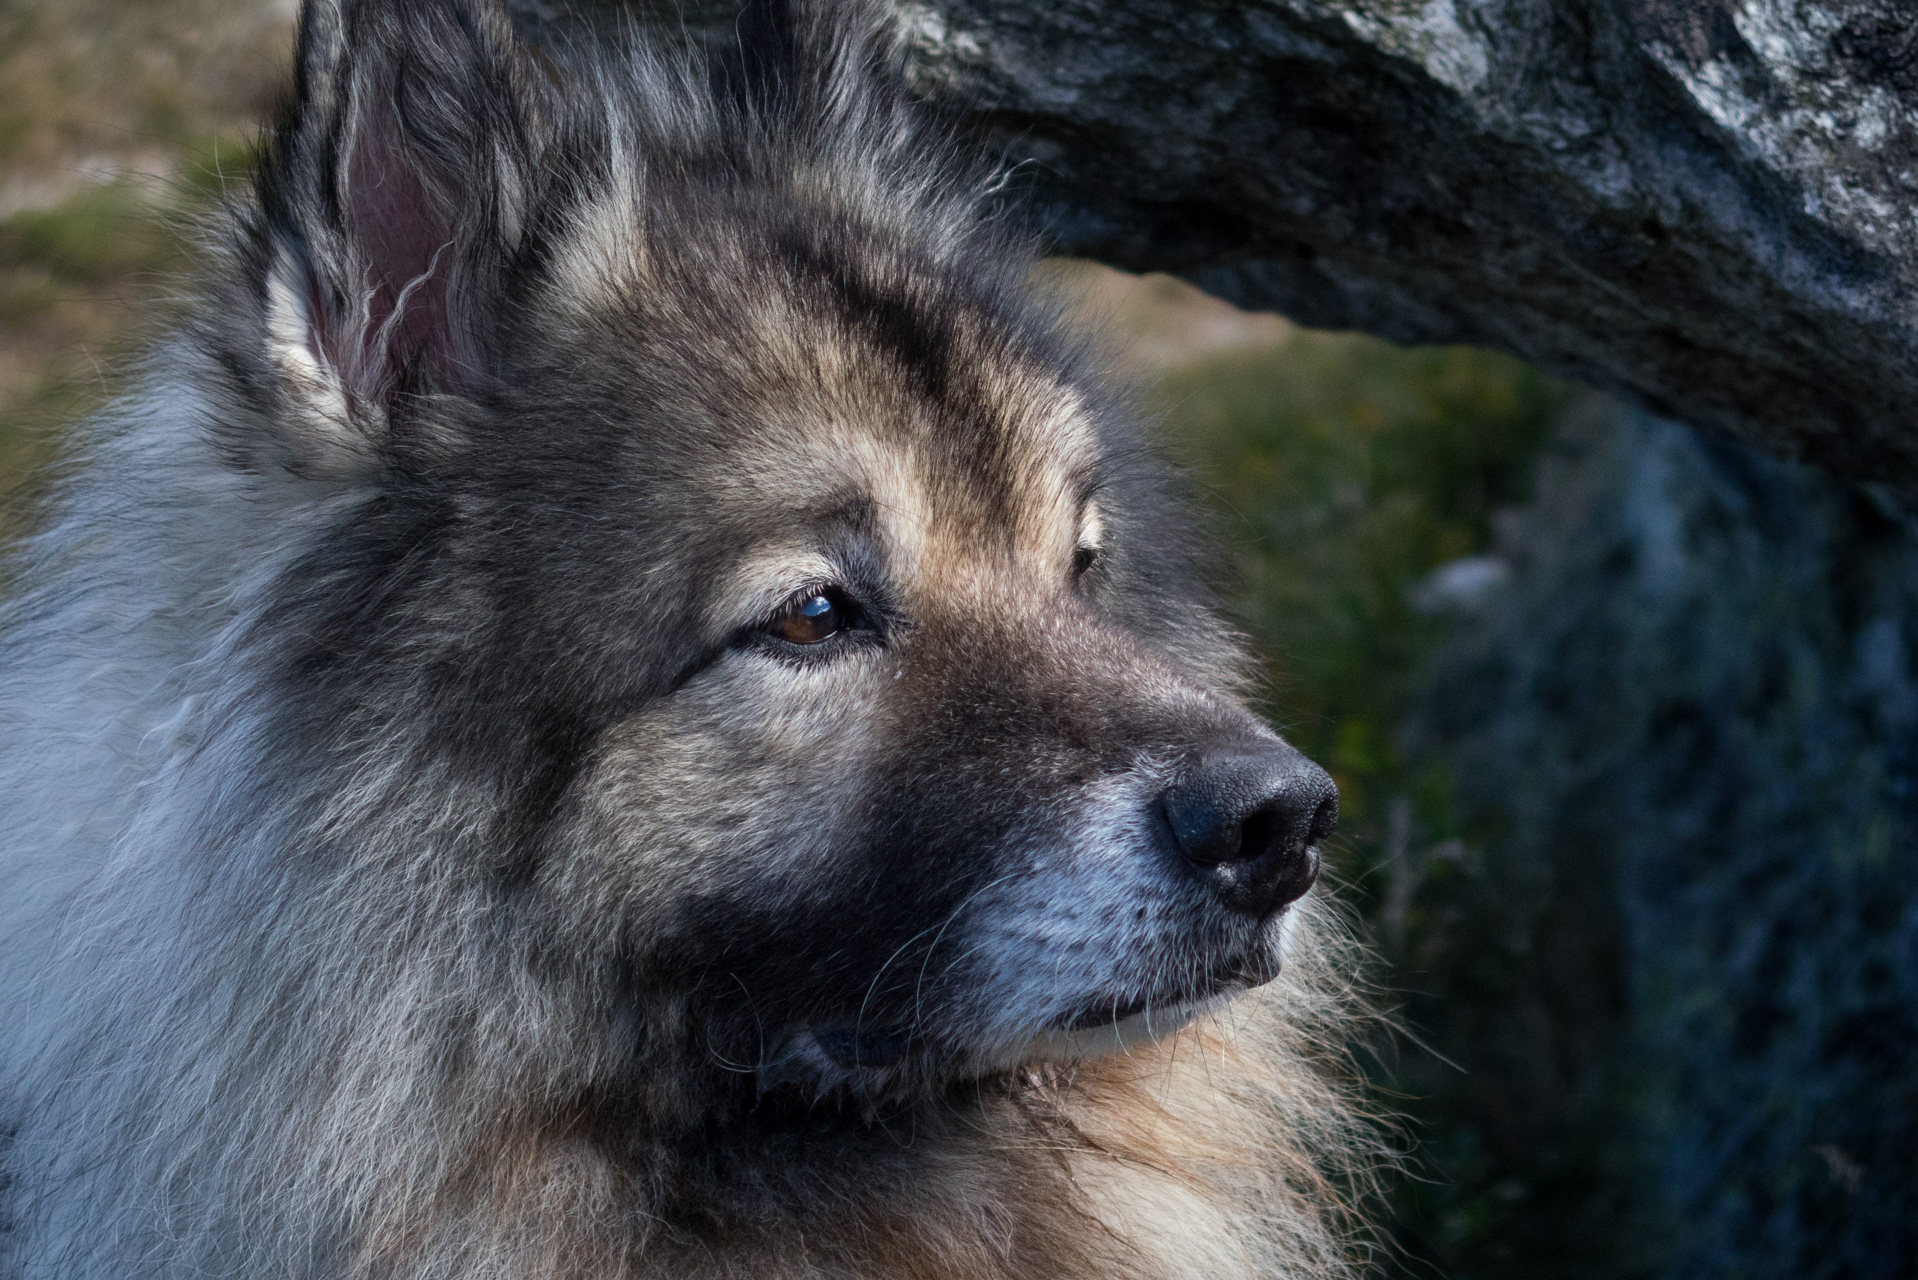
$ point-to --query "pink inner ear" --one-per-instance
(394, 217)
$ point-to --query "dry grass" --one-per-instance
(117, 119)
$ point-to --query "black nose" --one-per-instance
(1249, 820)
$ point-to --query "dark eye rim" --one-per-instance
(1084, 558)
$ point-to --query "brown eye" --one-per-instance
(812, 619)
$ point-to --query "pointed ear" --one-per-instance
(392, 201)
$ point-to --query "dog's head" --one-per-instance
(745, 568)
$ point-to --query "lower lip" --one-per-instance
(1154, 1010)
(1112, 1015)
(1116, 1035)
(1254, 971)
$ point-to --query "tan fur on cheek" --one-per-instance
(734, 783)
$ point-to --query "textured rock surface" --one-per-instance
(1680, 966)
(1706, 205)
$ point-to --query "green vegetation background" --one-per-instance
(1341, 471)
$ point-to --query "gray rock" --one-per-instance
(1704, 205)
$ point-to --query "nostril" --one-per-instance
(1212, 842)
(1325, 819)
(1257, 834)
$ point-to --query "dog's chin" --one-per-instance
(879, 1060)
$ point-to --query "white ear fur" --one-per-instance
(331, 434)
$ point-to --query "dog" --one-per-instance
(625, 698)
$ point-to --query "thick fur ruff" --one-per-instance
(423, 855)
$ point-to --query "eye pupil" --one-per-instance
(1082, 558)
(812, 620)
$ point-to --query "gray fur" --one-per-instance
(421, 862)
